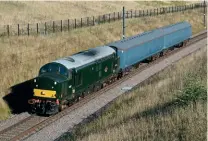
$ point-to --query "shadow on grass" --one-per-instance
(18, 97)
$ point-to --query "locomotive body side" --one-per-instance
(63, 81)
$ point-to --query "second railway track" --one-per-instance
(33, 124)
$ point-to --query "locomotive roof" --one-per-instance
(85, 57)
(133, 41)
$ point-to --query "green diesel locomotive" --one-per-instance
(65, 80)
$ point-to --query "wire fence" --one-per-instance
(49, 27)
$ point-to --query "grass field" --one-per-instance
(21, 57)
(30, 12)
(169, 106)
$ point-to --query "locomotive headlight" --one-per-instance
(34, 80)
(55, 83)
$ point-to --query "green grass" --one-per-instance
(169, 106)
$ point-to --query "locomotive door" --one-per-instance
(64, 90)
(99, 69)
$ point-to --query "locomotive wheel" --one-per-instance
(83, 95)
(61, 107)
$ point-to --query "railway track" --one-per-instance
(33, 124)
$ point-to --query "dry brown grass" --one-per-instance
(30, 12)
(21, 57)
(151, 113)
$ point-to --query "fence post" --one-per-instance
(45, 28)
(28, 29)
(109, 18)
(131, 14)
(53, 27)
(18, 29)
(135, 14)
(93, 20)
(8, 29)
(68, 24)
(104, 18)
(61, 26)
(118, 15)
(81, 22)
(114, 16)
(87, 21)
(127, 13)
(75, 23)
(143, 13)
(37, 28)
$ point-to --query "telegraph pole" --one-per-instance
(123, 23)
(205, 14)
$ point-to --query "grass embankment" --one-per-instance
(29, 12)
(21, 57)
(169, 106)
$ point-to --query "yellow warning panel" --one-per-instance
(44, 93)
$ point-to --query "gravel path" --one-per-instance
(67, 122)
(12, 120)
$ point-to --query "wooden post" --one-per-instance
(104, 18)
(93, 20)
(18, 29)
(135, 14)
(61, 26)
(81, 22)
(68, 24)
(127, 14)
(114, 17)
(87, 21)
(118, 15)
(45, 28)
(8, 30)
(37, 28)
(53, 27)
(131, 13)
(75, 23)
(28, 29)
(143, 13)
(157, 11)
(109, 18)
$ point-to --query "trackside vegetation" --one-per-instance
(171, 105)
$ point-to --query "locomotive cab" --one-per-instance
(50, 87)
